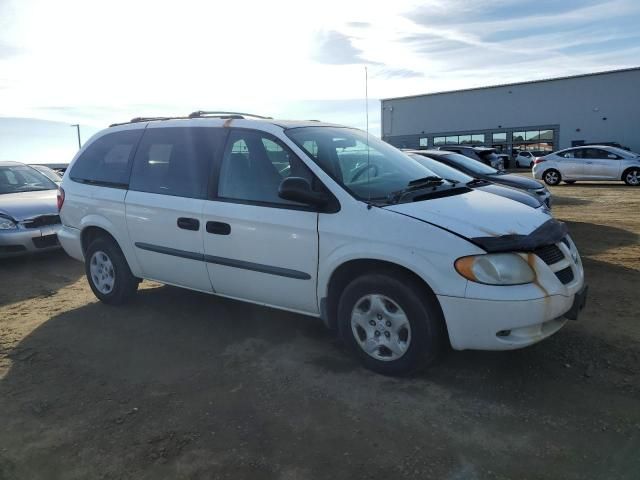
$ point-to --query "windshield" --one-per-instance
(623, 153)
(371, 174)
(440, 169)
(47, 172)
(21, 178)
(470, 164)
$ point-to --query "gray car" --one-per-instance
(29, 220)
(594, 162)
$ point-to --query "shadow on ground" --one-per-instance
(592, 238)
(30, 276)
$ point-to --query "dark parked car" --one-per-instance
(480, 170)
(49, 173)
(454, 175)
(486, 155)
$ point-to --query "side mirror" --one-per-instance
(298, 189)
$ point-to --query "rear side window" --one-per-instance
(175, 161)
(107, 160)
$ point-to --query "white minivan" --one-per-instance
(322, 220)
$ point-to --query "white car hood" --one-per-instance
(475, 214)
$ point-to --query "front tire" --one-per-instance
(108, 272)
(552, 177)
(632, 177)
(391, 323)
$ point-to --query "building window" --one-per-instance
(477, 139)
(424, 142)
(499, 137)
(546, 134)
(518, 136)
(439, 140)
(452, 140)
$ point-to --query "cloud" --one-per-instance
(7, 51)
(335, 48)
(388, 72)
(358, 24)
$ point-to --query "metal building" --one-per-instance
(545, 115)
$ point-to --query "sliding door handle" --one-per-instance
(189, 223)
(218, 228)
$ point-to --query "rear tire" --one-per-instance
(632, 177)
(552, 177)
(108, 272)
(517, 164)
(391, 323)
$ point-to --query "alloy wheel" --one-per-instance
(551, 178)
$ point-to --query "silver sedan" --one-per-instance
(593, 162)
(29, 220)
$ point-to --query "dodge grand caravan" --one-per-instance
(318, 219)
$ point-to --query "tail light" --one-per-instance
(538, 160)
(60, 198)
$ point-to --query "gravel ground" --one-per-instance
(184, 385)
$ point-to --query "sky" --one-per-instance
(99, 62)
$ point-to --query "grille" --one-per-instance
(565, 275)
(550, 254)
(42, 221)
(46, 241)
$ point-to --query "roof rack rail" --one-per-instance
(144, 119)
(204, 113)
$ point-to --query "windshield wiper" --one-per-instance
(476, 182)
(418, 184)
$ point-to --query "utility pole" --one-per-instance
(78, 130)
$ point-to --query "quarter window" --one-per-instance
(254, 164)
(424, 142)
(175, 161)
(107, 160)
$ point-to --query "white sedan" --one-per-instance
(596, 162)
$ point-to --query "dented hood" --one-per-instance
(476, 214)
(23, 205)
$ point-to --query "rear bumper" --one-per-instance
(503, 325)
(71, 242)
(22, 241)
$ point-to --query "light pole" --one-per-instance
(78, 130)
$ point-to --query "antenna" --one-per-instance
(366, 100)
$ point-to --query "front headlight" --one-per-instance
(496, 269)
(7, 224)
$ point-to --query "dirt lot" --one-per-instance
(184, 385)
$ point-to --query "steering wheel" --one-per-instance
(364, 168)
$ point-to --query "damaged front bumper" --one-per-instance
(508, 317)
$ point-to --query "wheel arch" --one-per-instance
(94, 226)
(351, 269)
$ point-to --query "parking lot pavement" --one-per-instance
(184, 385)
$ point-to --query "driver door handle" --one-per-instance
(189, 224)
